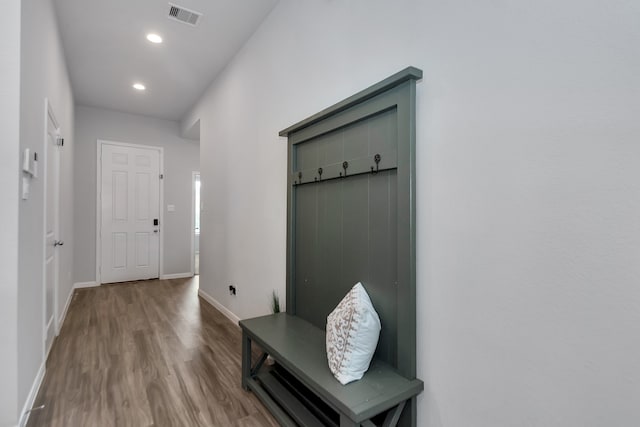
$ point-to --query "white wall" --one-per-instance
(181, 157)
(9, 175)
(528, 195)
(43, 75)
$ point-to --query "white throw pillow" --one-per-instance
(353, 328)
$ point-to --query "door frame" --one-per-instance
(193, 218)
(49, 113)
(100, 143)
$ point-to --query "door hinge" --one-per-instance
(60, 141)
(161, 176)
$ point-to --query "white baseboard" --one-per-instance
(176, 276)
(64, 311)
(221, 308)
(80, 285)
(31, 398)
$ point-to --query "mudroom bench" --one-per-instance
(300, 387)
(351, 216)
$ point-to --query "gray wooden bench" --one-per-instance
(350, 218)
(299, 348)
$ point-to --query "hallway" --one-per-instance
(147, 353)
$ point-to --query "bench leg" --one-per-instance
(246, 360)
(393, 416)
(258, 365)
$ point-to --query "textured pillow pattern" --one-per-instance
(353, 328)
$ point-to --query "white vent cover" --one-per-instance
(182, 14)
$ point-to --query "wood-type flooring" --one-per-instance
(149, 353)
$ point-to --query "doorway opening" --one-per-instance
(195, 229)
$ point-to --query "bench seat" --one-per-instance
(299, 347)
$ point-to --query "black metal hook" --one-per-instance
(376, 159)
(300, 178)
(320, 174)
(345, 165)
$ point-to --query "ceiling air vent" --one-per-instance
(182, 14)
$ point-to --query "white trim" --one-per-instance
(64, 311)
(51, 324)
(221, 308)
(49, 114)
(100, 142)
(31, 398)
(98, 210)
(193, 220)
(44, 173)
(161, 215)
(81, 285)
(176, 276)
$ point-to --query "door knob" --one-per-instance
(57, 243)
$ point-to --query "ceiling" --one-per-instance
(107, 51)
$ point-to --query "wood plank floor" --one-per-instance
(146, 353)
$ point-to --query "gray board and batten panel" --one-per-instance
(351, 212)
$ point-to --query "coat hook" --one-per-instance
(299, 178)
(320, 174)
(345, 165)
(376, 159)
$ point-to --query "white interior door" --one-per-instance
(52, 244)
(130, 213)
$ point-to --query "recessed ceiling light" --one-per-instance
(154, 38)
(139, 86)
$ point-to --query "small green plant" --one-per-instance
(275, 302)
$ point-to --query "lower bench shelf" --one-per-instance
(300, 389)
(294, 401)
